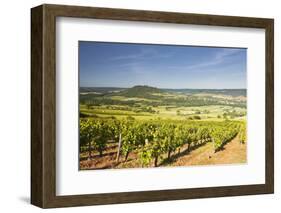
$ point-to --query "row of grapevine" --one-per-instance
(154, 139)
(167, 138)
(242, 133)
(223, 134)
(96, 134)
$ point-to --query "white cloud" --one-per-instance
(145, 53)
(218, 58)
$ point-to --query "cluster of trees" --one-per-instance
(137, 108)
(233, 114)
(92, 100)
(154, 139)
(145, 109)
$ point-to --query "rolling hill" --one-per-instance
(140, 91)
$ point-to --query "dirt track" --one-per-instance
(233, 152)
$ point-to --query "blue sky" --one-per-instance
(164, 66)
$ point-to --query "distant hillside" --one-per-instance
(147, 91)
(231, 92)
(140, 91)
(162, 97)
(100, 89)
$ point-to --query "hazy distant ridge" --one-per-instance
(140, 91)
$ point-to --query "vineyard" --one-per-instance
(150, 143)
(138, 109)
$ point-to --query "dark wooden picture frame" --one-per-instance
(43, 105)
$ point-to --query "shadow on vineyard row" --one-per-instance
(108, 160)
(133, 144)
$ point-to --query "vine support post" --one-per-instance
(90, 150)
(156, 161)
(119, 148)
(146, 142)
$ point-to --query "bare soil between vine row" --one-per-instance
(233, 153)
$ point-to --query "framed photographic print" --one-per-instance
(137, 106)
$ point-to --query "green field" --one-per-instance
(147, 105)
(215, 112)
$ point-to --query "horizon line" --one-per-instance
(159, 87)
